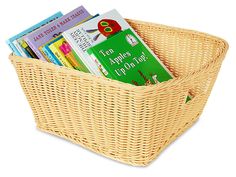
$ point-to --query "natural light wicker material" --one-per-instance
(127, 123)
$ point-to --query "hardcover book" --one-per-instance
(94, 31)
(26, 47)
(13, 41)
(54, 47)
(55, 28)
(63, 51)
(71, 56)
(47, 53)
(124, 57)
(85, 35)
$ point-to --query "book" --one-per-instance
(20, 49)
(54, 47)
(71, 56)
(124, 57)
(46, 33)
(90, 33)
(63, 51)
(26, 47)
(13, 43)
(48, 54)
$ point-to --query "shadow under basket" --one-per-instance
(131, 124)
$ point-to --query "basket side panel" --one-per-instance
(172, 115)
(103, 118)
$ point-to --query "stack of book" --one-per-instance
(104, 45)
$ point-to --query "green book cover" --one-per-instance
(125, 58)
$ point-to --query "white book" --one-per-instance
(90, 33)
(86, 35)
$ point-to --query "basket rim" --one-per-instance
(175, 81)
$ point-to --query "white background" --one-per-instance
(207, 149)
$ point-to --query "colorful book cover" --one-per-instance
(54, 47)
(71, 56)
(49, 31)
(45, 50)
(125, 58)
(47, 53)
(25, 32)
(90, 33)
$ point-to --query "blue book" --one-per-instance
(13, 39)
(46, 50)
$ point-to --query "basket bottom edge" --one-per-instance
(112, 156)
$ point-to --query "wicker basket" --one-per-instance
(131, 124)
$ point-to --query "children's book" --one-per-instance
(49, 31)
(71, 56)
(26, 47)
(13, 43)
(47, 53)
(124, 57)
(54, 47)
(64, 53)
(95, 31)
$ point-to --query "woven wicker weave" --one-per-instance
(131, 124)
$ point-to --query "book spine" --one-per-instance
(13, 48)
(19, 48)
(34, 49)
(60, 56)
(51, 56)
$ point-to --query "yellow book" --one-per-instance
(46, 52)
(41, 49)
(55, 48)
